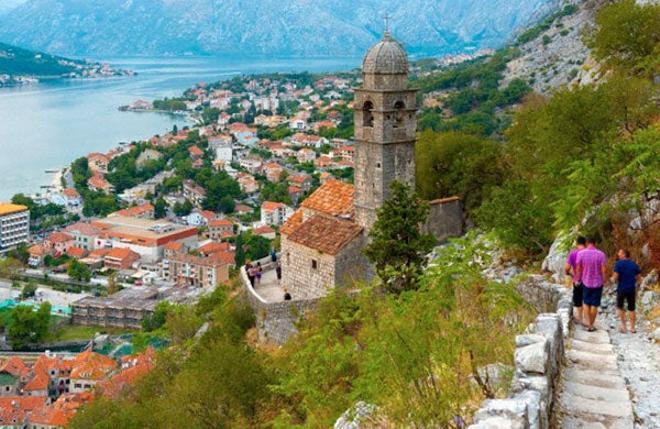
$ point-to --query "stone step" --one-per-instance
(594, 410)
(600, 336)
(599, 422)
(592, 360)
(598, 348)
(596, 393)
(607, 379)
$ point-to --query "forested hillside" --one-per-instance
(18, 61)
(584, 157)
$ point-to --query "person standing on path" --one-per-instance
(626, 272)
(591, 268)
(570, 269)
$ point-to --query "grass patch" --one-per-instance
(68, 332)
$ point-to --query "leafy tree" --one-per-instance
(182, 209)
(239, 257)
(398, 246)
(160, 208)
(458, 164)
(626, 38)
(519, 219)
(29, 290)
(28, 326)
(79, 271)
(158, 318)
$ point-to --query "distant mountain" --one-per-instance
(263, 27)
(8, 5)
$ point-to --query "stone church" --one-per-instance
(322, 243)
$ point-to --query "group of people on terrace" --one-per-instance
(587, 266)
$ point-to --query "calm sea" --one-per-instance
(46, 126)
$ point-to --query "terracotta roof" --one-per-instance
(38, 250)
(61, 412)
(76, 252)
(195, 151)
(83, 228)
(39, 381)
(137, 366)
(70, 193)
(271, 205)
(325, 234)
(89, 365)
(220, 222)
(292, 223)
(99, 253)
(213, 247)
(15, 366)
(175, 246)
(120, 253)
(264, 230)
(134, 211)
(13, 409)
(59, 237)
(242, 208)
(333, 197)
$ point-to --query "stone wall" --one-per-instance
(276, 321)
(300, 276)
(538, 359)
(445, 219)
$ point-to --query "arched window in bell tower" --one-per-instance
(399, 114)
(367, 114)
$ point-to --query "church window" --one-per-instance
(399, 106)
(367, 114)
(315, 264)
(378, 165)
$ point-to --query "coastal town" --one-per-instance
(168, 219)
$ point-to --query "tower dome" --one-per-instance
(386, 57)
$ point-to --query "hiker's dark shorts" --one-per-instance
(628, 296)
(577, 294)
(592, 295)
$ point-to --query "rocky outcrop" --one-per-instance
(538, 358)
(558, 55)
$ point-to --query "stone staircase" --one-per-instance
(593, 393)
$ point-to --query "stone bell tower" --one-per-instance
(385, 128)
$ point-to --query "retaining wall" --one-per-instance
(538, 359)
(276, 321)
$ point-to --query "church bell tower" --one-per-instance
(385, 128)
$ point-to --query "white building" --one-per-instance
(14, 225)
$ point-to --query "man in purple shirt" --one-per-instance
(591, 267)
(570, 269)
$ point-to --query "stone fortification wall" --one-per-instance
(445, 219)
(538, 359)
(276, 321)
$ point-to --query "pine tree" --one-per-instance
(398, 246)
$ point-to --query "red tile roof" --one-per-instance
(135, 211)
(292, 223)
(271, 205)
(13, 409)
(60, 413)
(59, 237)
(325, 234)
(220, 222)
(333, 197)
(15, 366)
(214, 247)
(89, 365)
(76, 252)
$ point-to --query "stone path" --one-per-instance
(594, 394)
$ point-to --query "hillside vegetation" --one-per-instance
(583, 156)
(18, 61)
